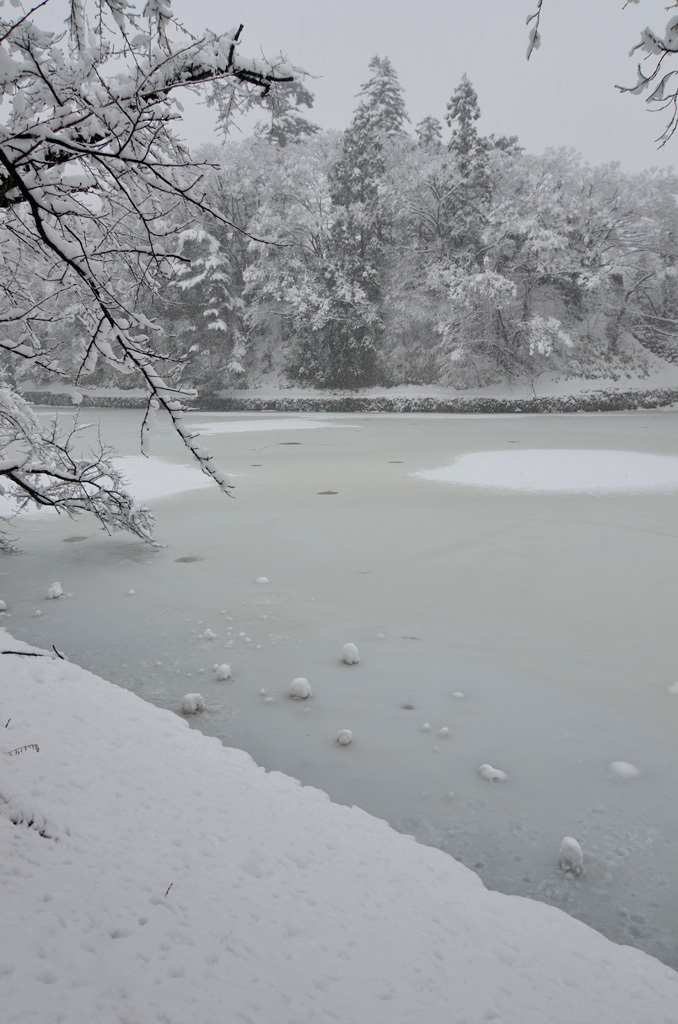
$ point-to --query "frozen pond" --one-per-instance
(535, 572)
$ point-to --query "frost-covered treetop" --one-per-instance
(382, 98)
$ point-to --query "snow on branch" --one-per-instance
(39, 466)
(95, 188)
(655, 77)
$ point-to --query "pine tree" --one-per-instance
(382, 98)
(429, 133)
(468, 147)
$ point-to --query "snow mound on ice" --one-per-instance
(349, 654)
(223, 672)
(344, 737)
(192, 703)
(492, 774)
(300, 688)
(571, 856)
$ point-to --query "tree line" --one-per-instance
(382, 255)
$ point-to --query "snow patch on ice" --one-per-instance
(560, 470)
(492, 774)
(624, 770)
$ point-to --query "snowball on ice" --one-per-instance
(131, 593)
(458, 694)
(192, 703)
(349, 654)
(300, 689)
(624, 770)
(571, 856)
(492, 774)
(3, 606)
(344, 737)
(426, 727)
(209, 634)
(262, 579)
(54, 591)
(444, 731)
(223, 672)
(37, 613)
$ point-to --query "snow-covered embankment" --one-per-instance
(150, 874)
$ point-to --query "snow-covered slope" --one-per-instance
(150, 874)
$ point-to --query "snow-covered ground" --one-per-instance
(150, 874)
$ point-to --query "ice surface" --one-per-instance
(561, 470)
(552, 613)
(259, 423)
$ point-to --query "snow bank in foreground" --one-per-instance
(150, 874)
(561, 470)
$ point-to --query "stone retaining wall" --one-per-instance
(591, 401)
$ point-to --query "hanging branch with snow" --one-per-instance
(94, 189)
(655, 72)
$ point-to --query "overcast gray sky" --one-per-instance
(564, 96)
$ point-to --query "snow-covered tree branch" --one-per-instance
(657, 73)
(95, 187)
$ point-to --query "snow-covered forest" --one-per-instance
(393, 253)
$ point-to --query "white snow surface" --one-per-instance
(561, 470)
(151, 874)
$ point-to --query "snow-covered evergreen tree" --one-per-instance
(429, 132)
(382, 100)
(467, 147)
